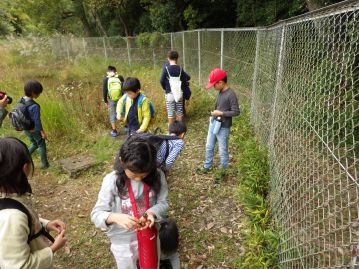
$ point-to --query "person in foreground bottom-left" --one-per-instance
(25, 241)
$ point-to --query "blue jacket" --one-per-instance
(34, 112)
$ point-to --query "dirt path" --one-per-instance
(207, 214)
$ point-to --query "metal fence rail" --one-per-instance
(301, 79)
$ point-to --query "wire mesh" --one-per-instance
(301, 77)
(315, 143)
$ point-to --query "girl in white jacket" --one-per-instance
(135, 165)
(20, 247)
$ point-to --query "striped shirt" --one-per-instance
(174, 149)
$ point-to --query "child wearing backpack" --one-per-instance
(112, 92)
(137, 180)
(169, 149)
(22, 233)
(34, 131)
(134, 107)
(173, 72)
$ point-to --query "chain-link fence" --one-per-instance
(301, 79)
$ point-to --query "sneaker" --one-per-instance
(45, 166)
(220, 175)
(114, 133)
(203, 170)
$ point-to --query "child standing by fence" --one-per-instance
(174, 109)
(112, 92)
(226, 107)
(135, 165)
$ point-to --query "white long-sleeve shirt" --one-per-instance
(109, 202)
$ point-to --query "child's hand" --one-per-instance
(43, 135)
(125, 221)
(4, 101)
(139, 131)
(106, 105)
(119, 118)
(60, 241)
(147, 220)
(151, 218)
(56, 226)
(216, 113)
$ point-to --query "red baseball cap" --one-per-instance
(216, 75)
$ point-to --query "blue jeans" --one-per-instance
(37, 142)
(222, 137)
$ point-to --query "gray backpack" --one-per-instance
(20, 117)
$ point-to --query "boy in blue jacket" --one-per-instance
(37, 135)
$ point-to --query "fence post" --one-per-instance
(128, 50)
(154, 58)
(104, 47)
(278, 85)
(199, 57)
(171, 41)
(255, 71)
(67, 49)
(222, 35)
(183, 57)
(84, 46)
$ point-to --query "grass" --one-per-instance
(253, 171)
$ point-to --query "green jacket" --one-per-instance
(143, 111)
(3, 113)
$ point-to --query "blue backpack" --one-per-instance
(139, 104)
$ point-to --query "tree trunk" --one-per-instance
(123, 24)
(81, 14)
(99, 24)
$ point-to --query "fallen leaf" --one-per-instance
(224, 230)
(67, 250)
(210, 225)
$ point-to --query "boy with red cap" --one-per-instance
(220, 122)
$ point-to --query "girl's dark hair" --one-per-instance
(32, 86)
(169, 236)
(13, 156)
(172, 55)
(177, 128)
(131, 84)
(138, 156)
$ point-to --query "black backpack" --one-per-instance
(155, 140)
(8, 203)
(20, 116)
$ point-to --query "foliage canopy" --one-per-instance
(131, 17)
